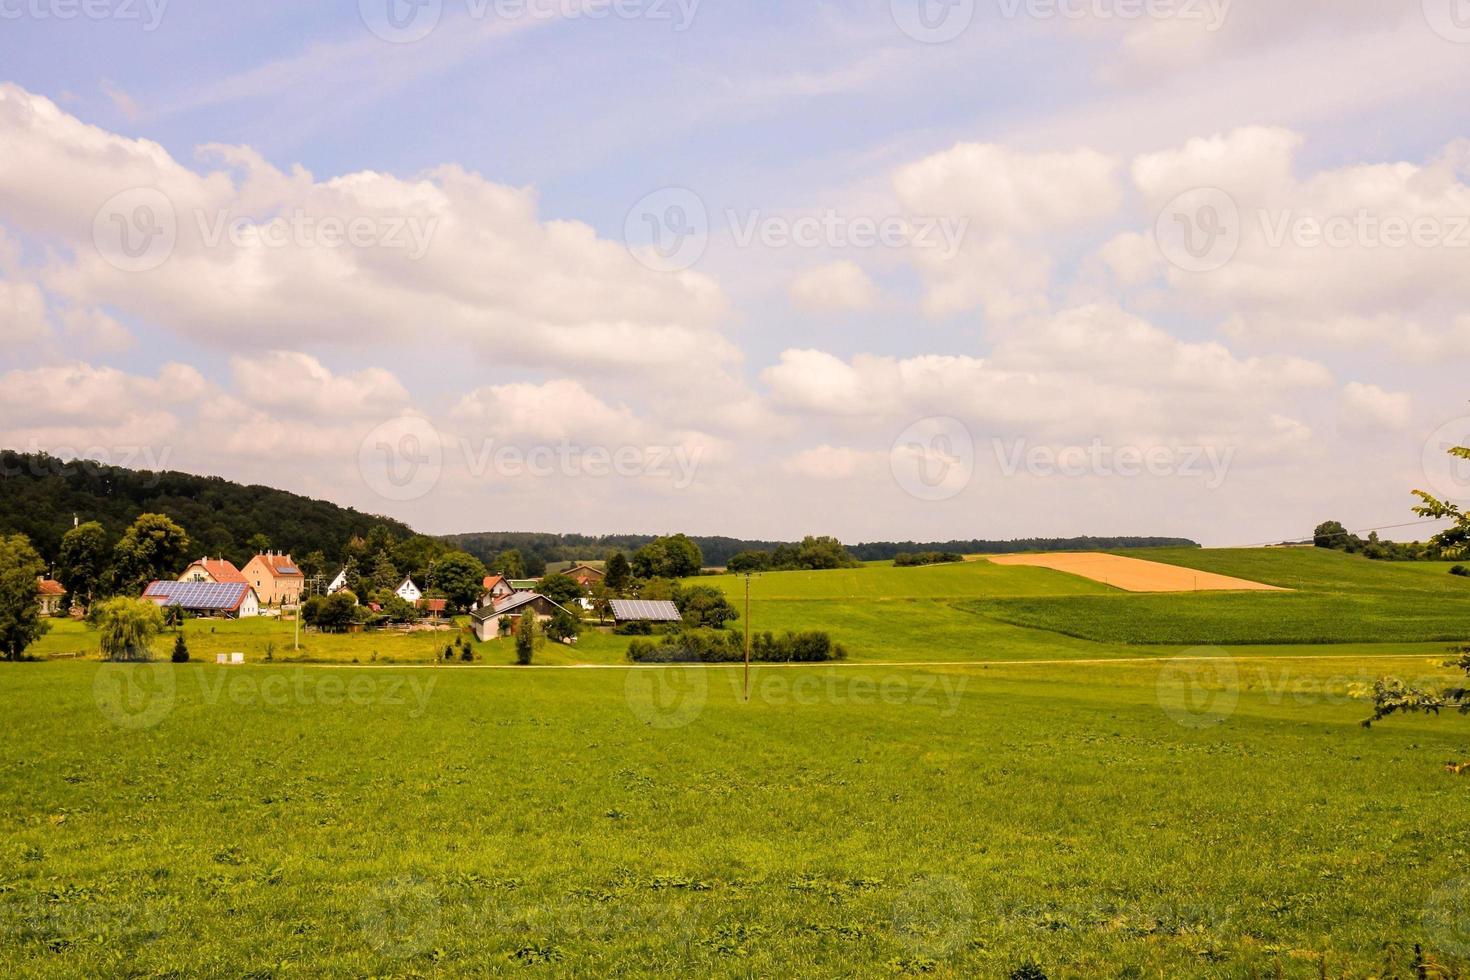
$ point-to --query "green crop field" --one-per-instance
(1108, 809)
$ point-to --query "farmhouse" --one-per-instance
(276, 579)
(234, 600)
(487, 619)
(496, 587)
(409, 592)
(52, 596)
(212, 570)
(339, 583)
(585, 575)
(645, 611)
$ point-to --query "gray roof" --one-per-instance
(645, 610)
(511, 603)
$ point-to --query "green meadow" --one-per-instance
(967, 796)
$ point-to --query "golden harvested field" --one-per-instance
(1135, 574)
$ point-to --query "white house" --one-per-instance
(339, 583)
(409, 592)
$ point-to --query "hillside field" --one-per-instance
(1136, 805)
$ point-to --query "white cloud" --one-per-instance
(1012, 202)
(834, 463)
(1367, 407)
(836, 287)
(292, 382)
(22, 314)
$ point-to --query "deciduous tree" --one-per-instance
(20, 607)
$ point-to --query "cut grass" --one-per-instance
(871, 821)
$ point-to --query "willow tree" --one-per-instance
(1394, 696)
(127, 626)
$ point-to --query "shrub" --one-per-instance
(907, 560)
(467, 655)
(181, 650)
(127, 626)
(527, 630)
(563, 626)
(720, 647)
(1460, 570)
(704, 605)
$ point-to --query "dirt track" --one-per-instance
(1134, 574)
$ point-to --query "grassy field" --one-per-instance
(1339, 598)
(1101, 809)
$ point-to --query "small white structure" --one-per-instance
(237, 658)
(409, 592)
(339, 583)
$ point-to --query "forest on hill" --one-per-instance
(40, 494)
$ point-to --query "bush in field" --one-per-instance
(527, 631)
(705, 605)
(722, 647)
(181, 650)
(332, 613)
(1461, 571)
(127, 626)
(563, 627)
(907, 560)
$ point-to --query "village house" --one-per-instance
(339, 583)
(487, 619)
(212, 570)
(276, 579)
(585, 575)
(409, 592)
(52, 596)
(496, 587)
(233, 600)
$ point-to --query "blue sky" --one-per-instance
(1056, 141)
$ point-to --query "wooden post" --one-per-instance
(747, 636)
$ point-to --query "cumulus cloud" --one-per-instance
(1012, 202)
(833, 288)
(287, 257)
(292, 382)
(1367, 407)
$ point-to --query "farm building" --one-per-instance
(212, 570)
(52, 596)
(235, 600)
(585, 575)
(645, 611)
(487, 619)
(276, 579)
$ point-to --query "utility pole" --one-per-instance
(747, 636)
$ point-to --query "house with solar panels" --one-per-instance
(232, 600)
(487, 619)
(276, 579)
(651, 611)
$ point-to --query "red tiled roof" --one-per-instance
(281, 566)
(491, 581)
(434, 605)
(220, 569)
(50, 587)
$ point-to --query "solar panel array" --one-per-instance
(199, 595)
(650, 610)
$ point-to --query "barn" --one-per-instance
(235, 600)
